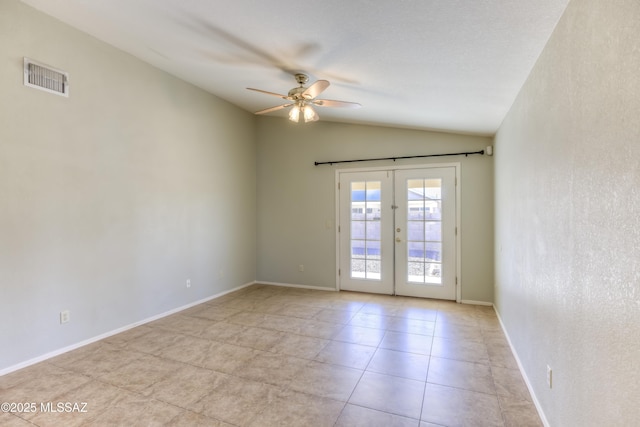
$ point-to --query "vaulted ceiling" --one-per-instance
(454, 65)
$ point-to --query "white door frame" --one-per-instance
(456, 166)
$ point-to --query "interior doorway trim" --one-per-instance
(391, 168)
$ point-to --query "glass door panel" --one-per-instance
(425, 232)
(366, 234)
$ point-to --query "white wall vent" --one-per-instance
(44, 77)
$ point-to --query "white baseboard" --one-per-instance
(472, 302)
(115, 332)
(292, 285)
(536, 402)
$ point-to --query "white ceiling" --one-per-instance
(451, 65)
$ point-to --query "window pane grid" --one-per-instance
(424, 231)
(365, 230)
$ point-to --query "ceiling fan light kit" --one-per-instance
(303, 99)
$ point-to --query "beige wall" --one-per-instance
(296, 200)
(567, 179)
(112, 198)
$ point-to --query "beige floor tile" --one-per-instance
(237, 400)
(299, 346)
(371, 320)
(283, 323)
(395, 395)
(123, 338)
(154, 341)
(346, 305)
(96, 359)
(459, 349)
(188, 349)
(29, 374)
(130, 410)
(228, 358)
(346, 354)
(400, 364)
(501, 357)
(318, 329)
(180, 323)
(222, 331)
(331, 381)
(411, 343)
(359, 335)
(417, 313)
(494, 337)
(248, 318)
(47, 382)
(185, 386)
(271, 368)
(489, 324)
(257, 338)
(245, 304)
(92, 399)
(357, 416)
(465, 375)
(294, 409)
(191, 419)
(519, 413)
(294, 310)
(457, 331)
(382, 308)
(334, 316)
(509, 383)
(11, 420)
(454, 407)
(215, 312)
(141, 373)
(411, 326)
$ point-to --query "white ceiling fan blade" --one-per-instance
(315, 89)
(268, 110)
(332, 103)
(269, 93)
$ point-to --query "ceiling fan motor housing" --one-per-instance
(297, 93)
(301, 78)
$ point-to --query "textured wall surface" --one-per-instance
(296, 199)
(567, 177)
(110, 199)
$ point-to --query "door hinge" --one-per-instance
(339, 272)
(456, 280)
(456, 231)
(338, 186)
(338, 229)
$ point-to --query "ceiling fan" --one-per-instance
(303, 99)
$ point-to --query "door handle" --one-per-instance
(398, 240)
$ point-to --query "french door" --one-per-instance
(397, 232)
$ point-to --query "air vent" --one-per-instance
(44, 77)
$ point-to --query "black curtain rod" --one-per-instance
(398, 158)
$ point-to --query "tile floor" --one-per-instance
(274, 356)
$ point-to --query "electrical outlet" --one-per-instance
(65, 316)
(188, 283)
(549, 376)
(301, 267)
